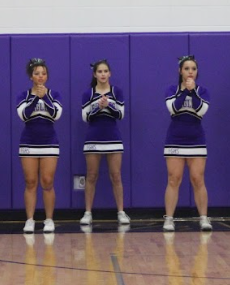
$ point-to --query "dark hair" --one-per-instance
(94, 67)
(181, 62)
(35, 62)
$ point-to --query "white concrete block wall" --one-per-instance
(111, 16)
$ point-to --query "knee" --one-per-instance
(197, 181)
(47, 183)
(31, 184)
(92, 178)
(115, 178)
(174, 180)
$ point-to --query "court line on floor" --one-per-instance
(223, 224)
(117, 269)
(114, 272)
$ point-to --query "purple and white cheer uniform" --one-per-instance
(185, 135)
(39, 138)
(103, 135)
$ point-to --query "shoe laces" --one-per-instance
(48, 221)
(29, 222)
(122, 214)
(168, 220)
(205, 220)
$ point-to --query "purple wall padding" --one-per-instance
(153, 68)
(84, 50)
(5, 118)
(212, 53)
(55, 50)
(143, 65)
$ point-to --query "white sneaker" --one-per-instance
(48, 226)
(169, 224)
(29, 226)
(123, 218)
(86, 219)
(205, 224)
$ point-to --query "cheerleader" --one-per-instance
(39, 107)
(102, 105)
(185, 141)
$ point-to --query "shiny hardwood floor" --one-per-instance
(116, 258)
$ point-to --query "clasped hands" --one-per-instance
(190, 84)
(103, 102)
(40, 90)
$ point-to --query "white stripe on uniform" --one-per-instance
(107, 147)
(30, 151)
(188, 151)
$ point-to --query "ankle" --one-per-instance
(203, 216)
(168, 217)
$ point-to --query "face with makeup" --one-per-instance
(188, 70)
(39, 75)
(102, 73)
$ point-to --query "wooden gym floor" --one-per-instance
(108, 254)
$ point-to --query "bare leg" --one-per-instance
(47, 172)
(175, 167)
(114, 163)
(93, 163)
(196, 171)
(30, 167)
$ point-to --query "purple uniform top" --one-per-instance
(185, 135)
(103, 135)
(39, 137)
